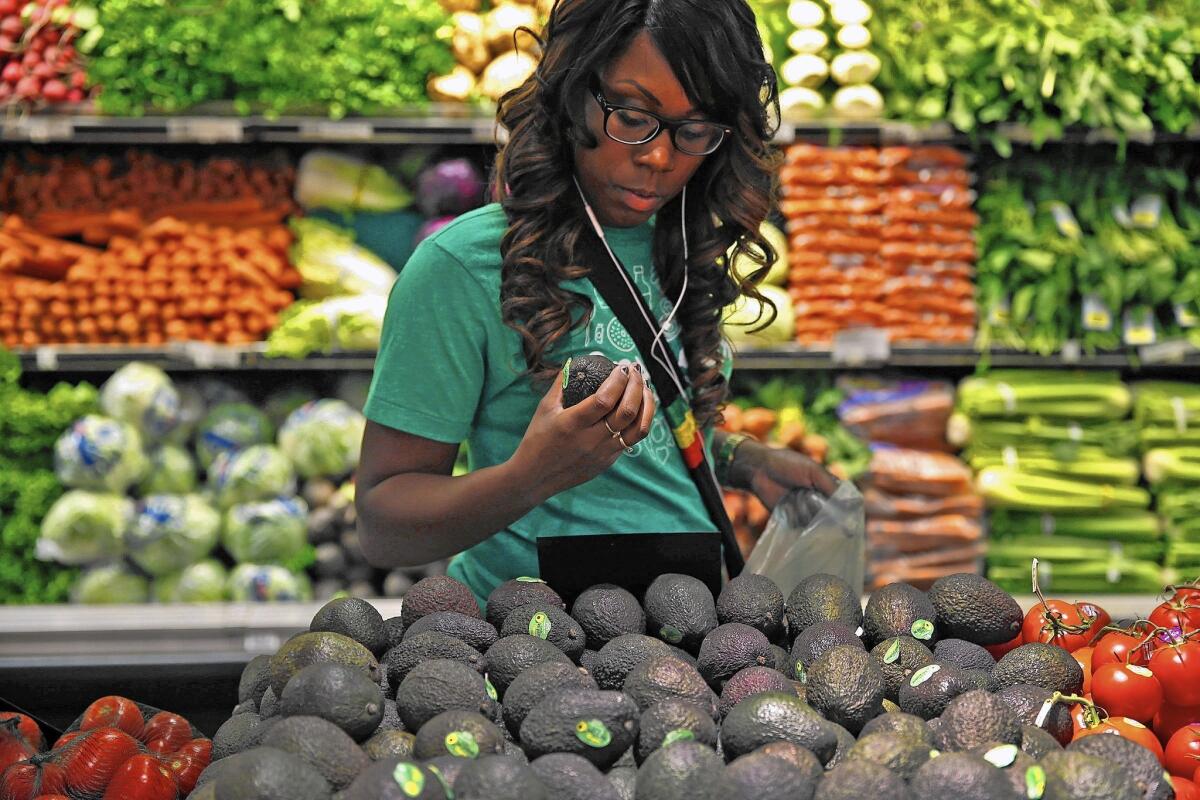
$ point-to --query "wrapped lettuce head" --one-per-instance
(171, 531)
(143, 396)
(100, 453)
(203, 582)
(283, 401)
(260, 472)
(270, 532)
(110, 583)
(231, 427)
(83, 527)
(172, 471)
(323, 438)
(266, 583)
(192, 409)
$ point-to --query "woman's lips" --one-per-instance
(638, 201)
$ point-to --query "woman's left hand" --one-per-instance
(772, 472)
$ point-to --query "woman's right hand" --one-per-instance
(565, 447)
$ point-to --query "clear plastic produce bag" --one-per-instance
(809, 533)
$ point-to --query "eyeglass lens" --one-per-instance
(629, 126)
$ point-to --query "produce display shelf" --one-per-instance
(451, 124)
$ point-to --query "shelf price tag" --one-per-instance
(211, 356)
(1097, 316)
(1185, 315)
(48, 129)
(46, 358)
(205, 130)
(1147, 210)
(858, 346)
(1064, 220)
(1140, 328)
(338, 131)
(1001, 311)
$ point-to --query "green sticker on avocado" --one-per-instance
(1002, 756)
(491, 690)
(566, 377)
(593, 733)
(540, 625)
(922, 629)
(437, 773)
(461, 744)
(670, 634)
(893, 652)
(923, 674)
(409, 778)
(1035, 782)
(527, 579)
(801, 674)
(678, 735)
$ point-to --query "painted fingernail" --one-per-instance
(625, 368)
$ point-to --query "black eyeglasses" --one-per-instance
(629, 125)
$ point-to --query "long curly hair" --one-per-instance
(715, 51)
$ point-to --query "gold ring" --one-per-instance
(615, 434)
(621, 439)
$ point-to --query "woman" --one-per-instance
(634, 102)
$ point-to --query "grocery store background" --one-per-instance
(988, 295)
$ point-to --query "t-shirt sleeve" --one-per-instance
(429, 373)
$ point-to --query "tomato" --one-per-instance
(166, 732)
(1183, 750)
(1057, 622)
(51, 797)
(27, 780)
(1083, 657)
(92, 760)
(1127, 690)
(1177, 667)
(200, 749)
(65, 739)
(1172, 718)
(1196, 777)
(26, 727)
(14, 749)
(1183, 614)
(1185, 789)
(142, 777)
(185, 770)
(1128, 728)
(113, 712)
(998, 650)
(1117, 647)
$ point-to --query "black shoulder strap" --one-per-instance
(630, 308)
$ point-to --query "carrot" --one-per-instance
(758, 422)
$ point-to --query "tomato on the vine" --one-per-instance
(142, 777)
(1183, 614)
(1184, 788)
(166, 732)
(14, 748)
(998, 650)
(1128, 728)
(92, 759)
(1172, 718)
(65, 739)
(28, 779)
(197, 748)
(1183, 751)
(1119, 647)
(113, 712)
(1067, 625)
(1177, 667)
(1127, 690)
(1083, 657)
(26, 727)
(185, 770)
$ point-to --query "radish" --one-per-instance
(28, 87)
(79, 80)
(12, 72)
(55, 91)
(12, 26)
(75, 96)
(45, 71)
(9, 7)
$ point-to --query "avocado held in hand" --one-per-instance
(582, 377)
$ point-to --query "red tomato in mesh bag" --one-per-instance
(113, 712)
(28, 779)
(166, 732)
(91, 760)
(142, 777)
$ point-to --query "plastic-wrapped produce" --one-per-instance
(270, 532)
(169, 532)
(323, 438)
(83, 527)
(284, 400)
(100, 453)
(917, 472)
(143, 396)
(203, 582)
(110, 583)
(172, 471)
(260, 472)
(266, 583)
(231, 427)
(912, 414)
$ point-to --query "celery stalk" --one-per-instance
(1004, 487)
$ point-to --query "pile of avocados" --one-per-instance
(675, 695)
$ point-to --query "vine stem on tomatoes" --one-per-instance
(1066, 625)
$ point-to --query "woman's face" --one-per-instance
(627, 184)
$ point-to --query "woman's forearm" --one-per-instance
(746, 460)
(415, 518)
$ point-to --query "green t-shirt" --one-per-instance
(450, 370)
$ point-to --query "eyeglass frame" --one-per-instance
(671, 126)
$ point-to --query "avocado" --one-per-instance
(930, 689)
(856, 780)
(663, 677)
(207, 792)
(256, 679)
(818, 639)
(773, 716)
(622, 654)
(323, 746)
(391, 717)
(1078, 775)
(1026, 703)
(269, 705)
(1134, 760)
(445, 770)
(518, 592)
(237, 734)
(899, 658)
(437, 593)
(961, 776)
(438, 685)
(1039, 664)
(846, 686)
(343, 695)
(395, 779)
(751, 681)
(845, 741)
(624, 780)
(670, 721)
(598, 725)
(528, 689)
(730, 648)
(971, 607)
(1009, 760)
(248, 707)
(424, 647)
(458, 733)
(898, 609)
(587, 661)
(478, 633)
(266, 773)
(680, 610)
(570, 777)
(907, 725)
(353, 617)
(606, 611)
(753, 600)
(963, 654)
(498, 778)
(684, 655)
(799, 757)
(390, 744)
(780, 659)
(756, 776)
(549, 623)
(822, 598)
(900, 754)
(512, 655)
(682, 771)
(976, 718)
(393, 629)
(319, 648)
(582, 377)
(1037, 742)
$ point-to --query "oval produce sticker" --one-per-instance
(526, 578)
(593, 733)
(923, 674)
(893, 652)
(409, 778)
(462, 744)
(540, 625)
(678, 735)
(922, 629)
(1002, 756)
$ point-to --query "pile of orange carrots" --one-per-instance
(882, 238)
